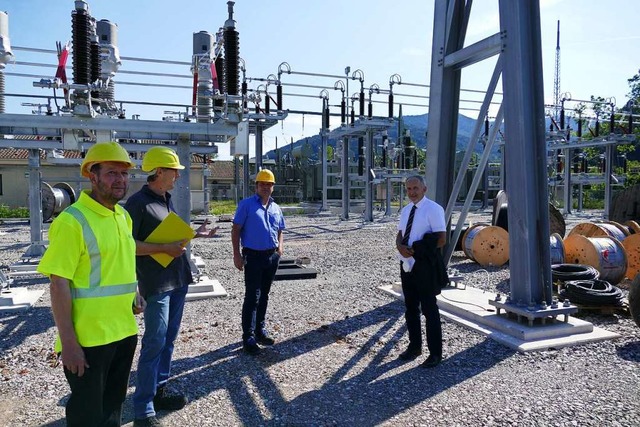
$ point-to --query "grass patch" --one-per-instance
(222, 207)
(7, 212)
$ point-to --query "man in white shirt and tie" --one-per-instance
(421, 221)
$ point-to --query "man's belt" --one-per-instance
(257, 252)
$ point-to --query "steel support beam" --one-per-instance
(449, 27)
(526, 152)
(37, 247)
(345, 177)
(368, 179)
(325, 169)
(23, 124)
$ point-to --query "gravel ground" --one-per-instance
(335, 359)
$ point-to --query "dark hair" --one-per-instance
(95, 168)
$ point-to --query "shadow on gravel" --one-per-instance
(297, 233)
(376, 393)
(16, 327)
(630, 351)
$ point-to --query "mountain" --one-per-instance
(417, 126)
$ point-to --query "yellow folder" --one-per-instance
(171, 229)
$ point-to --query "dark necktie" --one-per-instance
(407, 230)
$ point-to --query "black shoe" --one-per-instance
(168, 402)
(250, 346)
(147, 422)
(432, 361)
(410, 354)
(264, 339)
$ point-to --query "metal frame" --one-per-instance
(518, 43)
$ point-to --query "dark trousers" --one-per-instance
(259, 271)
(418, 297)
(97, 397)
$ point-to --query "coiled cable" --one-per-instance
(592, 292)
(568, 272)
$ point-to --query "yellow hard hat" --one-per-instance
(104, 152)
(265, 175)
(160, 157)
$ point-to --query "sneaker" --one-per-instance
(164, 401)
(410, 354)
(432, 361)
(250, 346)
(147, 422)
(264, 338)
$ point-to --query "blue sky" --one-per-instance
(600, 47)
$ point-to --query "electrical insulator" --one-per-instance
(390, 105)
(370, 110)
(231, 53)
(612, 123)
(353, 116)
(267, 103)
(244, 95)
(279, 96)
(361, 103)
(486, 127)
(81, 39)
(597, 127)
(579, 133)
(630, 131)
(562, 119)
(326, 117)
(343, 111)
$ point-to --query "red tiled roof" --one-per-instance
(221, 170)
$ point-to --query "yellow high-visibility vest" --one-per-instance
(93, 248)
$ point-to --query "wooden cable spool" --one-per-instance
(601, 229)
(633, 226)
(605, 254)
(488, 245)
(632, 247)
(557, 249)
(500, 215)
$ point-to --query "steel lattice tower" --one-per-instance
(556, 79)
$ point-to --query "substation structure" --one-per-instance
(89, 113)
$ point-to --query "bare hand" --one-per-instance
(203, 232)
(73, 358)
(175, 249)
(139, 304)
(405, 251)
(238, 261)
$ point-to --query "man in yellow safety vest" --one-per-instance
(91, 262)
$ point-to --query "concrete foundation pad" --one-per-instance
(16, 299)
(469, 307)
(204, 288)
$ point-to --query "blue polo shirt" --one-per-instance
(259, 225)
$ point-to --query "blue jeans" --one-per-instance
(259, 271)
(162, 319)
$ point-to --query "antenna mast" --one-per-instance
(556, 80)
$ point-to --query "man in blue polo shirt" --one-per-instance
(257, 224)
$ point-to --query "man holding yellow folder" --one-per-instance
(163, 284)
